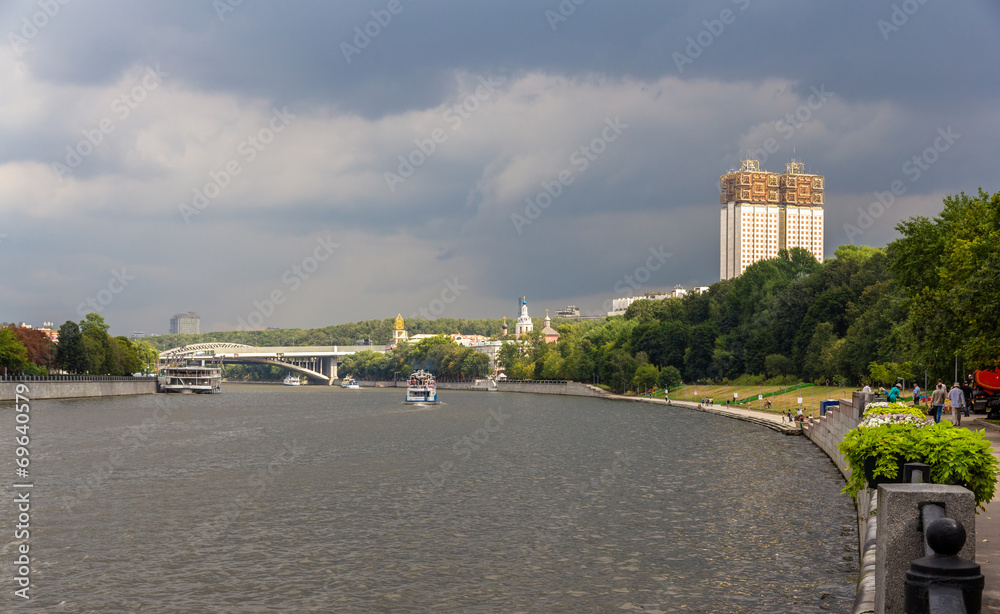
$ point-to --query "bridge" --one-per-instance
(317, 362)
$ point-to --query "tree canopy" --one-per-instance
(949, 268)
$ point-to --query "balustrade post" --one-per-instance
(943, 582)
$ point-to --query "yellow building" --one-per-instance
(398, 332)
(765, 212)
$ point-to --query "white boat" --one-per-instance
(192, 378)
(421, 388)
(292, 380)
(350, 383)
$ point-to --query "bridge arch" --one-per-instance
(198, 348)
(311, 374)
(319, 366)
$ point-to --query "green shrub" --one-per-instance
(893, 433)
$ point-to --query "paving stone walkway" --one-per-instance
(988, 528)
(770, 420)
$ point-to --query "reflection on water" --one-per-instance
(312, 499)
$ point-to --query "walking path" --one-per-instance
(770, 420)
(988, 528)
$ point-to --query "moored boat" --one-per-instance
(422, 388)
(292, 380)
(197, 379)
(350, 383)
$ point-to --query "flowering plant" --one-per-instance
(902, 419)
(881, 408)
(891, 434)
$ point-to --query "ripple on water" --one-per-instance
(568, 505)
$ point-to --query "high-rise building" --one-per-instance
(765, 212)
(185, 324)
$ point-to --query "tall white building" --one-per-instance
(765, 212)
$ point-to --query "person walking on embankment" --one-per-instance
(916, 395)
(957, 398)
(937, 401)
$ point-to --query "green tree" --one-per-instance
(147, 354)
(620, 368)
(700, 352)
(13, 353)
(510, 356)
(40, 349)
(777, 364)
(646, 377)
(949, 266)
(93, 351)
(93, 321)
(670, 377)
(130, 362)
(70, 351)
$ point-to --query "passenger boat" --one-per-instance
(421, 388)
(192, 378)
(350, 383)
(292, 380)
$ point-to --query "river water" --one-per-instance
(312, 499)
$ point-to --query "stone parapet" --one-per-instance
(47, 389)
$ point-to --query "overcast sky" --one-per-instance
(313, 163)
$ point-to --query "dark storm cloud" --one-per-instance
(859, 91)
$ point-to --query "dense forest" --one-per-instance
(926, 304)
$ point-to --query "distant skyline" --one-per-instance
(322, 163)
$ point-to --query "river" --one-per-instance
(311, 499)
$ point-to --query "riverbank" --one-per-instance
(78, 387)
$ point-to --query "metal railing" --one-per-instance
(75, 378)
(943, 582)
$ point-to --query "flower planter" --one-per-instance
(874, 481)
(896, 434)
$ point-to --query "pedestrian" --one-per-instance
(867, 389)
(893, 394)
(937, 401)
(957, 398)
(967, 391)
(916, 395)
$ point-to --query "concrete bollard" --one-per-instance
(900, 537)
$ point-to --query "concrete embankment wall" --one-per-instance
(568, 388)
(827, 432)
(46, 389)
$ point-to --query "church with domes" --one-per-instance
(523, 324)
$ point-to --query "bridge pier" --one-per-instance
(328, 368)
